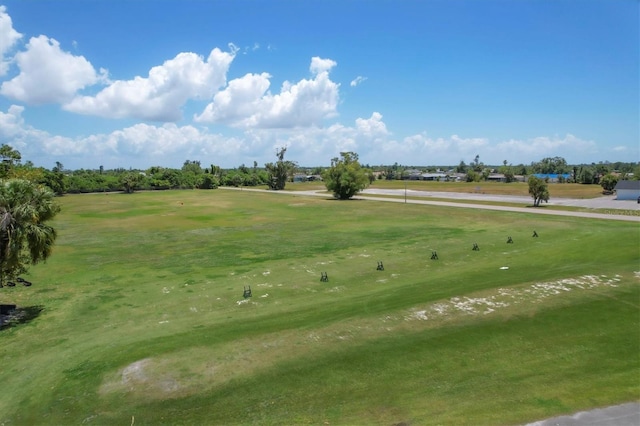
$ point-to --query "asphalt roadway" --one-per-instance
(627, 210)
(617, 415)
(603, 202)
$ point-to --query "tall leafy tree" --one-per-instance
(477, 164)
(586, 175)
(280, 171)
(608, 182)
(538, 190)
(346, 177)
(551, 165)
(25, 236)
(192, 167)
(507, 170)
(54, 179)
(130, 181)
(9, 158)
(209, 181)
(472, 176)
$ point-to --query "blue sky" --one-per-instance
(144, 83)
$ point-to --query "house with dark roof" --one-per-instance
(627, 190)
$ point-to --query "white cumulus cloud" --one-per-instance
(144, 145)
(568, 146)
(11, 122)
(48, 74)
(373, 126)
(247, 102)
(319, 65)
(356, 81)
(240, 102)
(141, 145)
(8, 38)
(161, 95)
(421, 149)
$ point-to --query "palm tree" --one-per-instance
(25, 238)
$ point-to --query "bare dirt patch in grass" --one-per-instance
(506, 297)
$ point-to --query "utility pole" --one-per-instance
(405, 192)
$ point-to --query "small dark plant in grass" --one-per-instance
(20, 316)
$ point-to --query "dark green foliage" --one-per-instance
(279, 172)
(130, 181)
(346, 177)
(163, 178)
(25, 237)
(9, 158)
(586, 175)
(508, 172)
(551, 165)
(477, 165)
(209, 182)
(608, 182)
(538, 190)
(192, 167)
(473, 176)
(55, 180)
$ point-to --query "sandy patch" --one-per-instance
(134, 373)
(505, 297)
(142, 377)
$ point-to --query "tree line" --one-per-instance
(275, 175)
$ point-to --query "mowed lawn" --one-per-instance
(143, 319)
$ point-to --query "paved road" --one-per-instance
(617, 415)
(604, 202)
(625, 212)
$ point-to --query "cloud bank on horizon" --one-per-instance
(233, 105)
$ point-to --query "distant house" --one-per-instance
(627, 189)
(411, 174)
(496, 177)
(434, 176)
(301, 177)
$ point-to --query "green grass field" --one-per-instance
(143, 321)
